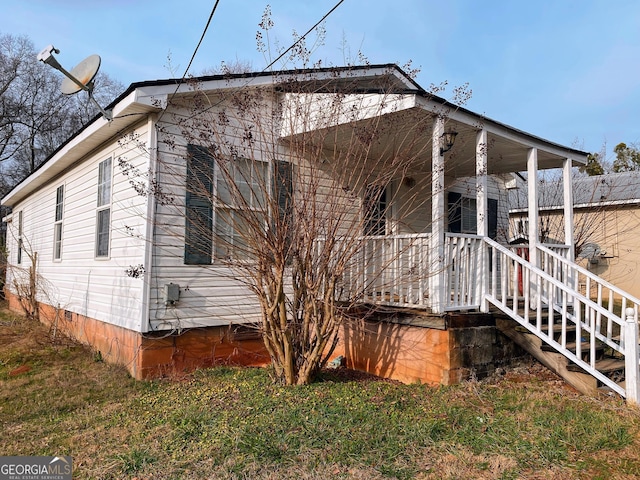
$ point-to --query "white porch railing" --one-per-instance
(390, 270)
(552, 301)
(530, 295)
(397, 270)
(464, 261)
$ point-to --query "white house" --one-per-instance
(103, 219)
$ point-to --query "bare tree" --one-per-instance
(294, 216)
(35, 117)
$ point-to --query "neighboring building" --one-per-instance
(110, 223)
(606, 223)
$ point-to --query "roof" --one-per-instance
(598, 190)
(143, 98)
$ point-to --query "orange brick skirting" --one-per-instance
(401, 352)
(469, 346)
(151, 355)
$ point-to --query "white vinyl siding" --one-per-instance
(82, 283)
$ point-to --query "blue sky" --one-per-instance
(565, 70)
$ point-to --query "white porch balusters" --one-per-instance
(438, 212)
(482, 212)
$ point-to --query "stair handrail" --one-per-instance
(594, 277)
(633, 393)
(550, 278)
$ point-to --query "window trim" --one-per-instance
(201, 247)
(57, 224)
(20, 238)
(103, 204)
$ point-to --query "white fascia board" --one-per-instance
(479, 122)
(125, 113)
(610, 203)
(532, 141)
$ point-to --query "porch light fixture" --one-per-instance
(447, 139)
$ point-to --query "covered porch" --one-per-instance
(430, 259)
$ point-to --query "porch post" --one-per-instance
(532, 189)
(567, 184)
(438, 211)
(482, 216)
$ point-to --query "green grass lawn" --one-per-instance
(234, 423)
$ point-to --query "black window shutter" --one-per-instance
(283, 184)
(198, 246)
(492, 205)
(455, 212)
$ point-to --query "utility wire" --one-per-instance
(195, 51)
(303, 36)
(213, 11)
(249, 80)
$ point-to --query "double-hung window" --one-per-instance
(57, 225)
(463, 214)
(19, 237)
(225, 200)
(240, 204)
(103, 211)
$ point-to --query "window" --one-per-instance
(221, 198)
(20, 236)
(463, 214)
(103, 212)
(469, 219)
(374, 210)
(247, 179)
(57, 225)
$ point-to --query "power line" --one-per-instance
(195, 51)
(213, 11)
(303, 36)
(274, 61)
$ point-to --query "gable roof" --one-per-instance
(599, 190)
(143, 98)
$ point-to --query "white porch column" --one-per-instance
(567, 185)
(482, 216)
(532, 204)
(438, 213)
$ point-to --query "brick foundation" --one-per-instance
(470, 346)
(467, 346)
(154, 355)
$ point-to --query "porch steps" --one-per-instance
(554, 361)
(573, 374)
(605, 365)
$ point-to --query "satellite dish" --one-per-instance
(81, 76)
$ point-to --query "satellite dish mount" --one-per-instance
(81, 76)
